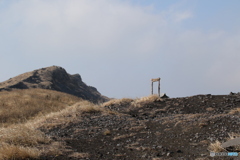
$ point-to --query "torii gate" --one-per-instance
(155, 80)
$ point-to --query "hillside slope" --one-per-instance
(152, 128)
(54, 78)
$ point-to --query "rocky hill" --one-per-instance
(54, 78)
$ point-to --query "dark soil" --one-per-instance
(174, 128)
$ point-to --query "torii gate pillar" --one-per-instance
(155, 80)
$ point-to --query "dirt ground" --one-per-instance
(174, 128)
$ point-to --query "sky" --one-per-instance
(117, 46)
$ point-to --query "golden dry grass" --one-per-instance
(123, 101)
(22, 135)
(21, 142)
(150, 98)
(67, 115)
(216, 147)
(21, 105)
(138, 102)
(22, 112)
(12, 152)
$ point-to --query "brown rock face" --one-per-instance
(54, 78)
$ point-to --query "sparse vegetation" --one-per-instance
(123, 101)
(23, 111)
(20, 142)
(216, 147)
(147, 99)
(138, 102)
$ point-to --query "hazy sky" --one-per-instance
(117, 46)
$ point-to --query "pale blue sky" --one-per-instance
(117, 46)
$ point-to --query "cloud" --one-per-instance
(107, 40)
(41, 26)
(179, 17)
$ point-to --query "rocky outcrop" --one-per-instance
(54, 78)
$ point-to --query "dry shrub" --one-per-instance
(18, 106)
(216, 147)
(8, 151)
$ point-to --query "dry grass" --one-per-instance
(216, 147)
(8, 151)
(23, 111)
(68, 115)
(22, 135)
(138, 102)
(79, 155)
(233, 135)
(21, 142)
(123, 101)
(210, 109)
(124, 136)
(234, 111)
(53, 149)
(18, 106)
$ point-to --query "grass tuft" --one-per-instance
(8, 151)
(216, 147)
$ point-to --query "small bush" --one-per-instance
(216, 147)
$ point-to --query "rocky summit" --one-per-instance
(54, 78)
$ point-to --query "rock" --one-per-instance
(232, 142)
